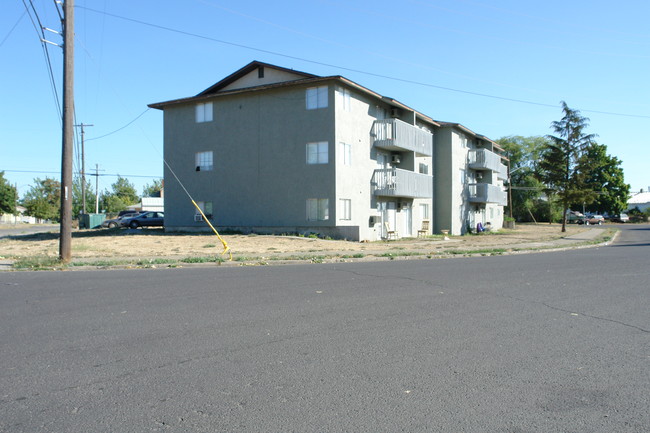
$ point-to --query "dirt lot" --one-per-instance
(154, 246)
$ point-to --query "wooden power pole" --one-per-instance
(83, 166)
(65, 240)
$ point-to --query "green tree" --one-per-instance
(607, 181)
(564, 166)
(123, 194)
(524, 154)
(8, 195)
(154, 189)
(43, 200)
(77, 199)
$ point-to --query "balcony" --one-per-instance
(486, 193)
(502, 174)
(394, 182)
(483, 159)
(397, 136)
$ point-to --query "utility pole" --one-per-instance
(83, 167)
(65, 240)
(97, 170)
(509, 189)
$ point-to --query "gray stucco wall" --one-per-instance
(260, 175)
(443, 180)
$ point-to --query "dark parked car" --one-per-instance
(574, 217)
(622, 218)
(117, 222)
(145, 219)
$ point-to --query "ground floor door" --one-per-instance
(388, 212)
(407, 231)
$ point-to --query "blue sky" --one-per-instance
(438, 57)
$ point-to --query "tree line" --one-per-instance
(43, 199)
(566, 170)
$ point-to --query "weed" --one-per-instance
(353, 256)
(156, 261)
(208, 259)
(244, 259)
(38, 262)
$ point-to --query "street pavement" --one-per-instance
(549, 342)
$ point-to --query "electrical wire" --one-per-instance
(13, 28)
(103, 174)
(119, 129)
(48, 62)
(358, 71)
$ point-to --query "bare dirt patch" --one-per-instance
(154, 243)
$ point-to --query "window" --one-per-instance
(318, 209)
(317, 153)
(344, 98)
(204, 161)
(424, 211)
(206, 208)
(346, 153)
(424, 169)
(345, 209)
(204, 112)
(462, 177)
(316, 97)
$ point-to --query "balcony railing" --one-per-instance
(483, 159)
(502, 174)
(486, 193)
(395, 135)
(395, 182)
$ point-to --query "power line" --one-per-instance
(119, 129)
(78, 173)
(387, 77)
(13, 28)
(48, 62)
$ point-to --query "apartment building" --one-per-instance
(273, 150)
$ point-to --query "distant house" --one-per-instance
(272, 150)
(640, 200)
(20, 218)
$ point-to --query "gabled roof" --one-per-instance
(246, 70)
(222, 88)
(472, 133)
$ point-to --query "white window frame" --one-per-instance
(424, 211)
(317, 152)
(318, 209)
(423, 168)
(204, 112)
(346, 153)
(316, 97)
(206, 207)
(345, 207)
(204, 161)
(345, 98)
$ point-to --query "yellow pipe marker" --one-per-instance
(225, 245)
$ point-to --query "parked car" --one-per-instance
(145, 219)
(574, 217)
(117, 222)
(593, 220)
(621, 218)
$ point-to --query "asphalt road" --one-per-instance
(7, 230)
(547, 342)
